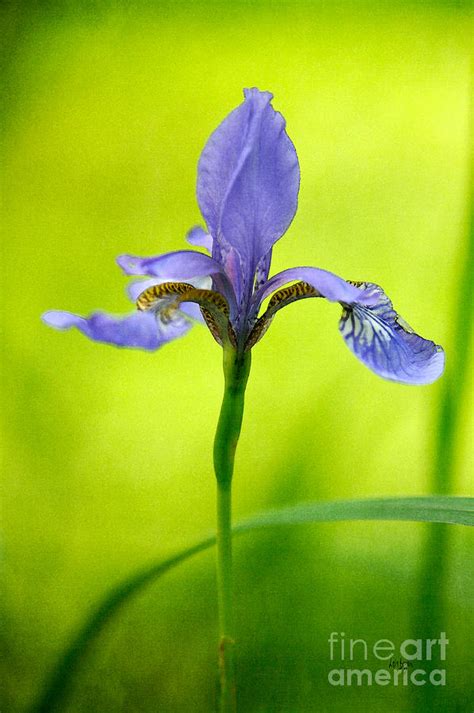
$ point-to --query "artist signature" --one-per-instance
(400, 664)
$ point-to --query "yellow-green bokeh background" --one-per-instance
(108, 465)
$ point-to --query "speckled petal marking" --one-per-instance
(167, 298)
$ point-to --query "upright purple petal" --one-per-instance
(385, 343)
(140, 330)
(248, 180)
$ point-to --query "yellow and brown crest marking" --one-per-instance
(215, 310)
(157, 292)
(214, 307)
(286, 295)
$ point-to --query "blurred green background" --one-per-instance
(108, 462)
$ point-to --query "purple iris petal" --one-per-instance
(387, 345)
(328, 284)
(248, 180)
(178, 265)
(197, 236)
(232, 265)
(141, 330)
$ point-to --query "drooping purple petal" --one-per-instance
(248, 179)
(329, 285)
(140, 330)
(197, 236)
(383, 341)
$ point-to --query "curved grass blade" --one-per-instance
(58, 683)
(450, 510)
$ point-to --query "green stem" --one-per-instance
(236, 372)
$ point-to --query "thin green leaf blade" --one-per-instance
(441, 509)
(450, 510)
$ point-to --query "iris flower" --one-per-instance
(247, 190)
